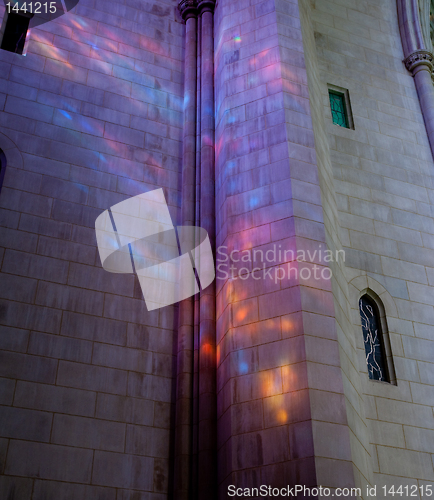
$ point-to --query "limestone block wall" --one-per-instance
(383, 177)
(354, 414)
(281, 403)
(91, 116)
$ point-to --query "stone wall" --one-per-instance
(282, 416)
(383, 178)
(91, 116)
(353, 415)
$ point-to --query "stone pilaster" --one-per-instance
(420, 63)
(418, 60)
(184, 385)
(207, 410)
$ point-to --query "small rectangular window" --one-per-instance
(15, 32)
(340, 107)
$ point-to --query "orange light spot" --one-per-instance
(241, 314)
(282, 416)
(207, 349)
(271, 383)
(287, 325)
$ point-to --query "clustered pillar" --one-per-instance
(420, 65)
(418, 60)
(195, 461)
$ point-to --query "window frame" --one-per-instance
(384, 338)
(344, 93)
(3, 31)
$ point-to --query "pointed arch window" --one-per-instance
(373, 339)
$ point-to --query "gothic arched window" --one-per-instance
(373, 339)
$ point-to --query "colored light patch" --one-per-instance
(78, 23)
(207, 349)
(244, 368)
(237, 38)
(241, 314)
(287, 325)
(87, 126)
(282, 416)
(64, 113)
(101, 157)
(254, 202)
(271, 383)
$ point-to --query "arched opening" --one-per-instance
(374, 339)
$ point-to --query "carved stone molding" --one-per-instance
(415, 61)
(206, 5)
(188, 8)
(418, 60)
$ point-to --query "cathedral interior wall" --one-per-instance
(90, 116)
(264, 429)
(272, 336)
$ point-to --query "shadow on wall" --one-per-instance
(9, 155)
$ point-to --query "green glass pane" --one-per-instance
(337, 104)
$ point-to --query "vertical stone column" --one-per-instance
(197, 296)
(184, 386)
(418, 60)
(420, 65)
(207, 336)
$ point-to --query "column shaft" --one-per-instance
(197, 297)
(425, 91)
(184, 386)
(207, 486)
(418, 59)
